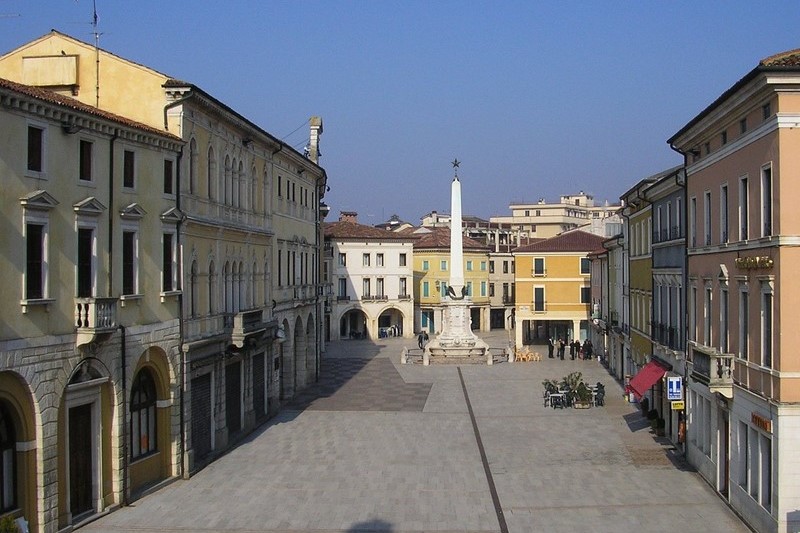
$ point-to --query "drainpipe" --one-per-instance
(182, 378)
(684, 280)
(172, 104)
(125, 464)
(112, 210)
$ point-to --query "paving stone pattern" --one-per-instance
(381, 447)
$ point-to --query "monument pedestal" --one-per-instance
(456, 344)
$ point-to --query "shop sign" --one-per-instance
(678, 406)
(761, 422)
(754, 262)
(674, 388)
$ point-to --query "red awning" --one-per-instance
(646, 378)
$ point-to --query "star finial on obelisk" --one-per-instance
(455, 164)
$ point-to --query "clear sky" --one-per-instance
(535, 98)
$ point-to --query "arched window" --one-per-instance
(242, 187)
(235, 177)
(143, 415)
(212, 288)
(253, 200)
(227, 182)
(8, 461)
(227, 287)
(192, 166)
(212, 172)
(193, 290)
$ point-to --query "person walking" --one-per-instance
(561, 348)
(550, 347)
(421, 339)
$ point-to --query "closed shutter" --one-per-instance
(201, 415)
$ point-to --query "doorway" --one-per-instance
(81, 459)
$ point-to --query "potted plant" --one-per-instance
(583, 397)
(8, 524)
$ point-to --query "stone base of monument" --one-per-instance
(456, 344)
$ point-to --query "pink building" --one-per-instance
(742, 157)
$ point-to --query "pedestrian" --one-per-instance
(421, 339)
(550, 347)
(561, 348)
(577, 348)
(424, 338)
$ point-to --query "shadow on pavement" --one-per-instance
(371, 526)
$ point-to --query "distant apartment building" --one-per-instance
(373, 280)
(89, 319)
(553, 291)
(743, 363)
(544, 220)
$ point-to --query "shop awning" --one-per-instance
(646, 378)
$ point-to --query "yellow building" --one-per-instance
(432, 273)
(639, 221)
(553, 292)
(89, 338)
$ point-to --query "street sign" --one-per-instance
(674, 388)
(678, 406)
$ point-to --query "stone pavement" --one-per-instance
(383, 447)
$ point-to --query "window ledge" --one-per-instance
(169, 294)
(132, 297)
(37, 301)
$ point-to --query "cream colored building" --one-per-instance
(373, 280)
(247, 274)
(89, 309)
(544, 220)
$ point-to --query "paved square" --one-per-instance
(381, 447)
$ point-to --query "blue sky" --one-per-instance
(537, 99)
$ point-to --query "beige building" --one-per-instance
(373, 280)
(742, 291)
(90, 334)
(246, 275)
(544, 220)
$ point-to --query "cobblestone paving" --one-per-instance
(382, 447)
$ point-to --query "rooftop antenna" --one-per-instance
(96, 53)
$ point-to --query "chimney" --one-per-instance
(313, 139)
(348, 216)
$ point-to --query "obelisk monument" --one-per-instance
(456, 343)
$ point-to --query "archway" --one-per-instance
(300, 347)
(390, 323)
(149, 426)
(353, 325)
(311, 351)
(86, 432)
(18, 462)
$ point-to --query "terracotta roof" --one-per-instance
(573, 241)
(790, 58)
(354, 230)
(65, 101)
(440, 238)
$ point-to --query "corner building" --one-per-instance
(89, 332)
(244, 244)
(742, 156)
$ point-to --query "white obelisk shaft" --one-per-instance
(456, 245)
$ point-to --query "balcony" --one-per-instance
(342, 298)
(93, 317)
(247, 324)
(665, 335)
(403, 296)
(508, 300)
(712, 368)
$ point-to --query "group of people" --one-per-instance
(558, 348)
